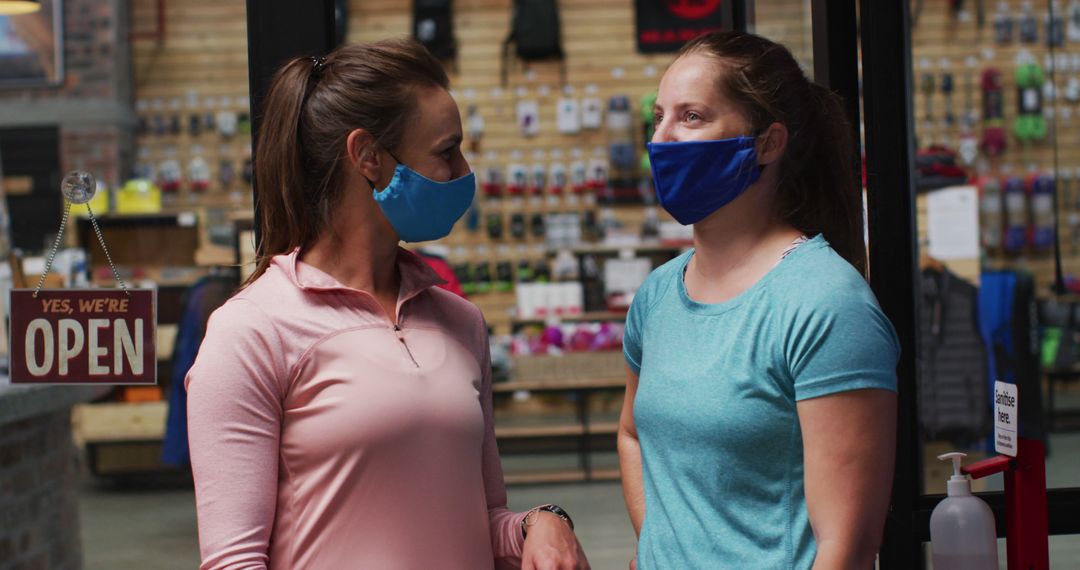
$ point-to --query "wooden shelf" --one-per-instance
(582, 317)
(555, 430)
(561, 385)
(560, 476)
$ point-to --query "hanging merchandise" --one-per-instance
(528, 117)
(579, 176)
(1030, 125)
(1003, 24)
(433, 26)
(618, 117)
(927, 87)
(194, 126)
(1028, 25)
(567, 117)
(648, 123)
(517, 226)
(558, 178)
(517, 179)
(482, 277)
(247, 172)
(537, 179)
(968, 149)
(1055, 25)
(1072, 30)
(226, 123)
(970, 117)
(475, 124)
(494, 226)
(597, 175)
(504, 277)
(536, 226)
(226, 173)
(142, 126)
(169, 175)
(208, 122)
(1016, 217)
(159, 125)
(592, 112)
(535, 33)
(463, 272)
(947, 91)
(1040, 188)
(524, 272)
(993, 137)
(1072, 90)
(174, 125)
(199, 174)
(243, 123)
(492, 184)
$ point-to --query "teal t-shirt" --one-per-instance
(715, 411)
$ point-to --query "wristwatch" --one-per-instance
(553, 509)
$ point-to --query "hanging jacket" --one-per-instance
(953, 386)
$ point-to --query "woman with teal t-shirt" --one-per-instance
(760, 415)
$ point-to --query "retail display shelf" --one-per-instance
(606, 249)
(581, 317)
(555, 430)
(561, 384)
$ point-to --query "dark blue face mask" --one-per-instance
(696, 178)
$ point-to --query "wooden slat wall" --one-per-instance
(938, 36)
(204, 52)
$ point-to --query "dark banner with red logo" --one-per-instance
(83, 336)
(665, 25)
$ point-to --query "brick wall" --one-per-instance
(93, 105)
(39, 518)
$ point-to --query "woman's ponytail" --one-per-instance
(279, 172)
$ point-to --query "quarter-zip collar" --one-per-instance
(416, 275)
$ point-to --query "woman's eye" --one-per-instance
(692, 116)
(657, 119)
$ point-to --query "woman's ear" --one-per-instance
(363, 154)
(772, 143)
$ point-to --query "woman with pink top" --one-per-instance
(340, 405)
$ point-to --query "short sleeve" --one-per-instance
(846, 344)
(635, 321)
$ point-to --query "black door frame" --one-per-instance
(889, 143)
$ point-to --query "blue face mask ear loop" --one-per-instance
(372, 184)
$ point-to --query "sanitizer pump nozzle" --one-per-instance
(962, 532)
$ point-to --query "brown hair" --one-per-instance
(817, 191)
(310, 109)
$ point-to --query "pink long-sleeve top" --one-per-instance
(324, 437)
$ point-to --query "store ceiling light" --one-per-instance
(15, 7)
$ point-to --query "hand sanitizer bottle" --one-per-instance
(962, 534)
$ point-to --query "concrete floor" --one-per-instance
(152, 526)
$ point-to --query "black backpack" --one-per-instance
(433, 26)
(535, 33)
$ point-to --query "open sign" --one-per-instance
(83, 336)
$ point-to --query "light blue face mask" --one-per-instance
(421, 209)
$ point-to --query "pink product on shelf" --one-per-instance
(553, 337)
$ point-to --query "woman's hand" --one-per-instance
(551, 545)
(633, 563)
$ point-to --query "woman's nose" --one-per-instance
(663, 133)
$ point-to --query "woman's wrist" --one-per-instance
(548, 512)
